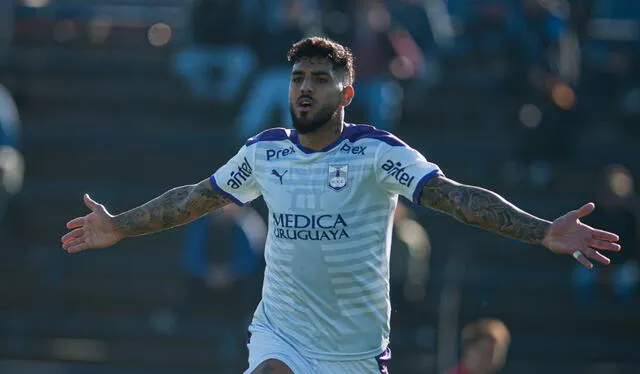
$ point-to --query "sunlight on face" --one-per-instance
(315, 94)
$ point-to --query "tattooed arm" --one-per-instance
(175, 207)
(483, 208)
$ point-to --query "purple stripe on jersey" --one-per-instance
(347, 132)
(296, 141)
(383, 360)
(422, 182)
(277, 133)
(222, 192)
(353, 133)
(356, 132)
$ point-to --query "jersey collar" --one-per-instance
(346, 132)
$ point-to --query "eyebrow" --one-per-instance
(315, 73)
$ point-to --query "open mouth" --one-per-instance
(305, 105)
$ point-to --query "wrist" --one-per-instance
(545, 241)
(117, 226)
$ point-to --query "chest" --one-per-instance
(324, 184)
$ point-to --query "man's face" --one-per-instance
(484, 356)
(315, 94)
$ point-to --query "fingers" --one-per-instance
(76, 222)
(604, 245)
(584, 210)
(90, 203)
(79, 222)
(585, 253)
(75, 245)
(595, 255)
(74, 241)
(77, 248)
(582, 259)
(604, 235)
(77, 233)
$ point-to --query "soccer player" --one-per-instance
(331, 188)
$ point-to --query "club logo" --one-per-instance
(338, 176)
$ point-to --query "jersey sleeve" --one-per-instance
(236, 180)
(402, 170)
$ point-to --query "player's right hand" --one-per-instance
(95, 230)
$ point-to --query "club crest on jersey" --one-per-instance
(338, 176)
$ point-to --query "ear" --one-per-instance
(347, 96)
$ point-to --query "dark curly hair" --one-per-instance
(339, 55)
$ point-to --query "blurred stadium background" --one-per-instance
(538, 100)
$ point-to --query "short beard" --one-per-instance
(317, 122)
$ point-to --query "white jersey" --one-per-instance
(326, 284)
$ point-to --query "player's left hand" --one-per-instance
(567, 235)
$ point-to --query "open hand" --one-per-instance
(567, 235)
(95, 230)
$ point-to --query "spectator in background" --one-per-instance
(410, 254)
(419, 32)
(366, 27)
(485, 345)
(409, 270)
(217, 61)
(546, 104)
(618, 208)
(611, 72)
(9, 120)
(6, 26)
(379, 92)
(487, 50)
(279, 24)
(11, 161)
(223, 258)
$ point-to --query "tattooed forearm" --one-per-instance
(482, 208)
(175, 207)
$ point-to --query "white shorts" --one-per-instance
(266, 345)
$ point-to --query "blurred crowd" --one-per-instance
(550, 71)
(544, 74)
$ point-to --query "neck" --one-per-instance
(324, 136)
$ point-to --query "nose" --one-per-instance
(306, 87)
